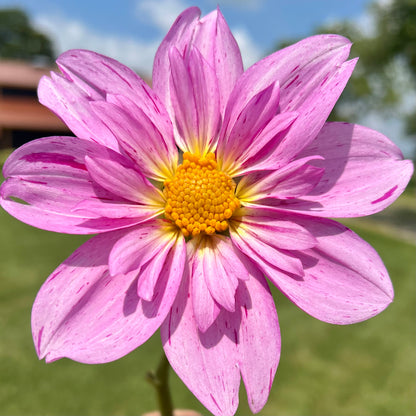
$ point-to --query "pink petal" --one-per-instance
(100, 76)
(119, 177)
(257, 156)
(155, 153)
(206, 362)
(72, 105)
(51, 156)
(345, 280)
(213, 38)
(179, 36)
(295, 179)
(113, 209)
(83, 313)
(205, 308)
(50, 176)
(275, 228)
(364, 173)
(311, 74)
(140, 244)
(231, 259)
(210, 363)
(259, 339)
(151, 272)
(216, 267)
(63, 223)
(217, 45)
(298, 68)
(239, 133)
(221, 282)
(195, 101)
(313, 113)
(263, 253)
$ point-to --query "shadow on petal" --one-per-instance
(339, 150)
(131, 301)
(228, 323)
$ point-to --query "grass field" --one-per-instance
(365, 369)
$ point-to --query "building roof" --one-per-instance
(24, 112)
(28, 114)
(21, 74)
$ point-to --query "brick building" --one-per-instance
(22, 117)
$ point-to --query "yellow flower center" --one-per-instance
(200, 198)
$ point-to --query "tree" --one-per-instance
(384, 80)
(386, 71)
(19, 40)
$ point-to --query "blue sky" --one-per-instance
(130, 30)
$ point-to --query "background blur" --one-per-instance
(364, 369)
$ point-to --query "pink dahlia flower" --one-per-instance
(198, 189)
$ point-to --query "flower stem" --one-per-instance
(160, 381)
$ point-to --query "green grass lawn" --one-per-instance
(365, 369)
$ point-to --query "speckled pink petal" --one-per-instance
(239, 133)
(313, 113)
(278, 229)
(312, 74)
(72, 105)
(179, 36)
(205, 308)
(301, 67)
(259, 338)
(150, 273)
(364, 173)
(194, 100)
(64, 223)
(213, 38)
(294, 180)
(154, 152)
(120, 177)
(139, 245)
(210, 363)
(257, 156)
(216, 267)
(100, 76)
(205, 362)
(50, 176)
(221, 282)
(83, 313)
(215, 41)
(263, 253)
(103, 208)
(345, 280)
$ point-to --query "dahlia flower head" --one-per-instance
(198, 189)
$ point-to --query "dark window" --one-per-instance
(18, 92)
(20, 137)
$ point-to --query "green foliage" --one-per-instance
(386, 70)
(19, 40)
(363, 369)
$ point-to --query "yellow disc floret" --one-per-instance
(200, 198)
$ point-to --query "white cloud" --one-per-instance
(393, 128)
(161, 13)
(241, 4)
(366, 24)
(164, 12)
(384, 3)
(250, 52)
(133, 52)
(72, 34)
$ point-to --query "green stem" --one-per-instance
(160, 381)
